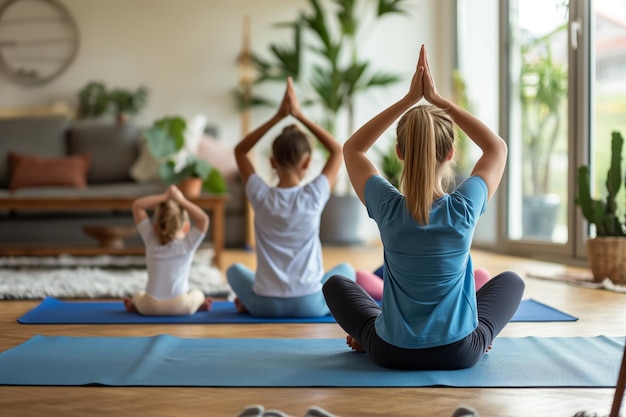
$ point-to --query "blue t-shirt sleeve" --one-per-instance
(473, 193)
(379, 194)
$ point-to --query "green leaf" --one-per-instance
(346, 17)
(202, 169)
(391, 6)
(214, 183)
(317, 23)
(159, 143)
(167, 174)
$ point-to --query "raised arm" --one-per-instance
(335, 156)
(246, 168)
(359, 166)
(490, 166)
(198, 216)
(141, 206)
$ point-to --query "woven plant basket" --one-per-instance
(607, 259)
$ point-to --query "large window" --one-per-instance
(537, 109)
(561, 91)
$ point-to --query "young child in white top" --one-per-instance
(290, 270)
(171, 242)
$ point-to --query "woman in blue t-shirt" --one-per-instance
(431, 317)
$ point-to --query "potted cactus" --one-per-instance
(606, 252)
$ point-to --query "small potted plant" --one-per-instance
(93, 100)
(127, 103)
(166, 142)
(606, 252)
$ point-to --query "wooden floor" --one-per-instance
(600, 312)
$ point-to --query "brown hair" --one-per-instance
(425, 139)
(290, 146)
(169, 218)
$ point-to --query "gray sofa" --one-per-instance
(114, 149)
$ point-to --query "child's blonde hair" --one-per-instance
(169, 219)
(425, 139)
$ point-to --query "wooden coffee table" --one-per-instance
(214, 203)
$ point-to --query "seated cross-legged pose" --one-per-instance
(430, 317)
(290, 271)
(171, 242)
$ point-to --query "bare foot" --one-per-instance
(489, 348)
(354, 344)
(129, 305)
(240, 307)
(206, 306)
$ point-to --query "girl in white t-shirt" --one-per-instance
(290, 272)
(171, 242)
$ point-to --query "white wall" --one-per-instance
(185, 52)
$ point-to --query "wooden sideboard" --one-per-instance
(214, 204)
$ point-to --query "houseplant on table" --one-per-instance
(127, 103)
(606, 252)
(166, 140)
(95, 100)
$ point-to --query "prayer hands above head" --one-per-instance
(416, 89)
(430, 90)
(294, 108)
(285, 107)
(175, 193)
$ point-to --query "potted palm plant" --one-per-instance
(338, 74)
(606, 252)
(177, 165)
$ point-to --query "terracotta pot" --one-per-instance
(121, 118)
(191, 187)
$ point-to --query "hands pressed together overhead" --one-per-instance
(289, 104)
(422, 83)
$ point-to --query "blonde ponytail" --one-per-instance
(425, 139)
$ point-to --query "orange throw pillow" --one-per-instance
(34, 171)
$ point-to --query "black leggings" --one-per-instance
(355, 311)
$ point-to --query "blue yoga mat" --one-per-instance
(54, 311)
(172, 361)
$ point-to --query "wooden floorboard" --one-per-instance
(600, 313)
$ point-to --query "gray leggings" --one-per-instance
(355, 311)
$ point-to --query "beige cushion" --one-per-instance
(146, 167)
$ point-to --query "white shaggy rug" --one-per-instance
(94, 277)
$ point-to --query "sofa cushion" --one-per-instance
(219, 155)
(146, 167)
(38, 136)
(114, 149)
(33, 171)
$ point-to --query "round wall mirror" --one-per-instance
(38, 40)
